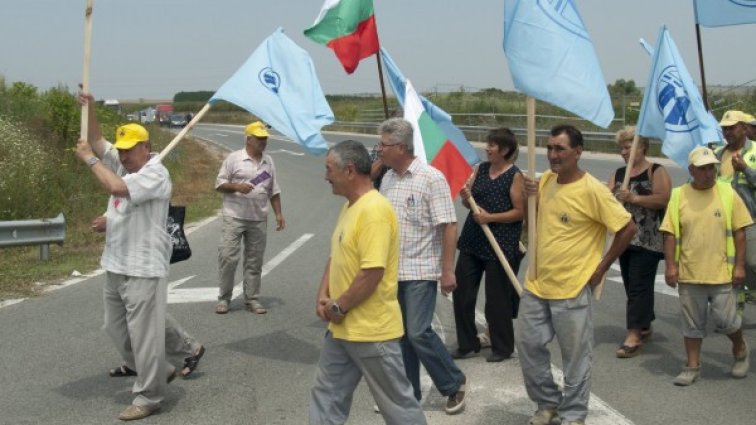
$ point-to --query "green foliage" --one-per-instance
(193, 96)
(63, 115)
(623, 87)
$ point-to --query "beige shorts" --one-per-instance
(695, 300)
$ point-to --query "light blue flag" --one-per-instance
(278, 84)
(719, 13)
(551, 58)
(442, 119)
(672, 108)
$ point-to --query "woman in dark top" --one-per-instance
(496, 186)
(646, 198)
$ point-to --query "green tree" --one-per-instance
(63, 114)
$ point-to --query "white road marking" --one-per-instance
(515, 397)
(196, 295)
(287, 151)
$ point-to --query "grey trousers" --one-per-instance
(571, 322)
(341, 366)
(254, 234)
(177, 340)
(135, 320)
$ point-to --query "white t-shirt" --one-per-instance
(136, 241)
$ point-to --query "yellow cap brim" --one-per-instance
(126, 144)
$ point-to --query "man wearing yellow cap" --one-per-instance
(248, 181)
(136, 255)
(738, 168)
(704, 255)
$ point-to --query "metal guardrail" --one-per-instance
(40, 232)
(478, 133)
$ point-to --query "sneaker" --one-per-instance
(134, 412)
(543, 417)
(376, 409)
(456, 402)
(497, 357)
(688, 376)
(740, 368)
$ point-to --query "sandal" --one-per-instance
(646, 334)
(191, 362)
(121, 372)
(627, 352)
(255, 307)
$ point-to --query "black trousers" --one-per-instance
(638, 268)
(501, 306)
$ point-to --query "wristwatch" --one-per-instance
(92, 161)
(337, 311)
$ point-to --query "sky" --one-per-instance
(151, 49)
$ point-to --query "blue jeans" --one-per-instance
(420, 344)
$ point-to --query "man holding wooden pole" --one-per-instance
(574, 211)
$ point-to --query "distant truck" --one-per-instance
(147, 116)
(163, 113)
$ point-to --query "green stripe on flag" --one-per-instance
(433, 137)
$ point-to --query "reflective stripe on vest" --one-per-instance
(726, 194)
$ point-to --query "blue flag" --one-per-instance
(672, 108)
(278, 84)
(719, 13)
(442, 119)
(551, 58)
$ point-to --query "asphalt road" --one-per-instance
(258, 368)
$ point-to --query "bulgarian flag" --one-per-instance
(347, 27)
(431, 144)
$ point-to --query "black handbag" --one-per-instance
(181, 250)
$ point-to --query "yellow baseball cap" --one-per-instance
(701, 156)
(127, 136)
(256, 129)
(733, 117)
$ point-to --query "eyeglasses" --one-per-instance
(385, 145)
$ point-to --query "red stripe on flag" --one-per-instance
(453, 165)
(362, 43)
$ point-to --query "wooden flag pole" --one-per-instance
(531, 198)
(383, 86)
(497, 249)
(183, 131)
(701, 66)
(599, 290)
(84, 129)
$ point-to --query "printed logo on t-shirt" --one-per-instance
(717, 213)
(564, 218)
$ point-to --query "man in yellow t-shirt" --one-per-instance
(574, 212)
(699, 218)
(358, 297)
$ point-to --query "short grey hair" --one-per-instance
(351, 152)
(398, 130)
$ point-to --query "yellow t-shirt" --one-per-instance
(571, 225)
(367, 236)
(726, 171)
(703, 251)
